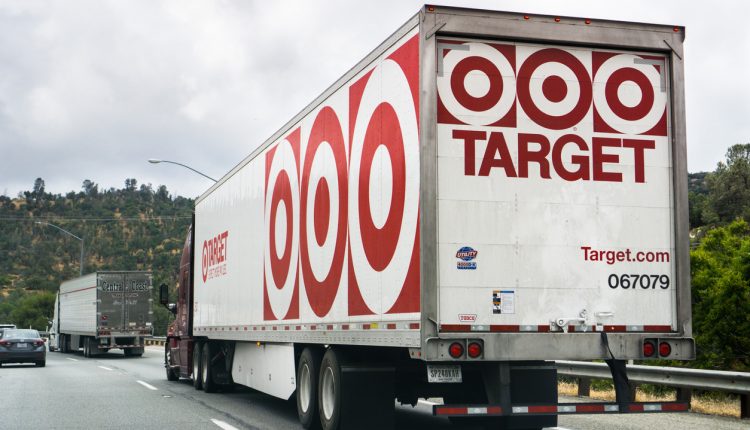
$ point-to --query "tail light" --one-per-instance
(665, 349)
(456, 350)
(4, 343)
(39, 342)
(649, 349)
(474, 349)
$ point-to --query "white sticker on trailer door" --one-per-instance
(555, 168)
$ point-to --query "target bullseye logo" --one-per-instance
(554, 89)
(282, 212)
(629, 94)
(477, 85)
(324, 205)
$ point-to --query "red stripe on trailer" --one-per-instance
(494, 410)
(615, 328)
(345, 327)
(589, 408)
(366, 326)
(329, 327)
(275, 328)
(657, 328)
(635, 407)
(455, 327)
(391, 326)
(450, 410)
(298, 327)
(505, 328)
(674, 407)
(286, 327)
(313, 327)
(546, 409)
(413, 326)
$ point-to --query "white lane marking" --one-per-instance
(427, 402)
(149, 386)
(105, 368)
(71, 359)
(223, 425)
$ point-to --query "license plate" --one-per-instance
(22, 345)
(437, 373)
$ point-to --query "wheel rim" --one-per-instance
(167, 358)
(328, 393)
(304, 388)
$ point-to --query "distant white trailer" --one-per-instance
(102, 311)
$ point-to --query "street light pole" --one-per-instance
(68, 233)
(157, 161)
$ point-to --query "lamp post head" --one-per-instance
(154, 161)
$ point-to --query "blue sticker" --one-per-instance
(466, 255)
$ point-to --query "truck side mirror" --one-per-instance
(164, 294)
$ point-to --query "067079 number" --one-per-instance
(634, 281)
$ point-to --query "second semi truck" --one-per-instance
(102, 311)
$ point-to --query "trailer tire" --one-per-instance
(171, 374)
(308, 370)
(207, 369)
(329, 389)
(86, 350)
(197, 348)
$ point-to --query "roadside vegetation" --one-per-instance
(133, 228)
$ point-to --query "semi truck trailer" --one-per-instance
(103, 311)
(483, 194)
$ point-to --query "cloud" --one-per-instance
(92, 89)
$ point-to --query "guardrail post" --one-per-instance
(684, 395)
(744, 406)
(584, 387)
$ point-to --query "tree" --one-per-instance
(39, 187)
(720, 270)
(729, 186)
(90, 188)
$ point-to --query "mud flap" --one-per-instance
(623, 390)
(367, 397)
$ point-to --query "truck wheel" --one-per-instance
(308, 370)
(329, 390)
(171, 374)
(87, 347)
(207, 369)
(197, 383)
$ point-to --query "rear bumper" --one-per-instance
(556, 346)
(22, 357)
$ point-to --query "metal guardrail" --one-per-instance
(156, 340)
(685, 380)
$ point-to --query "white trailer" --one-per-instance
(484, 193)
(102, 311)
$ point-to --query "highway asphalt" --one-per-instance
(116, 392)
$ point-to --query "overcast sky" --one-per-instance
(92, 89)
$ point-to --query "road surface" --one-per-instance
(116, 392)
